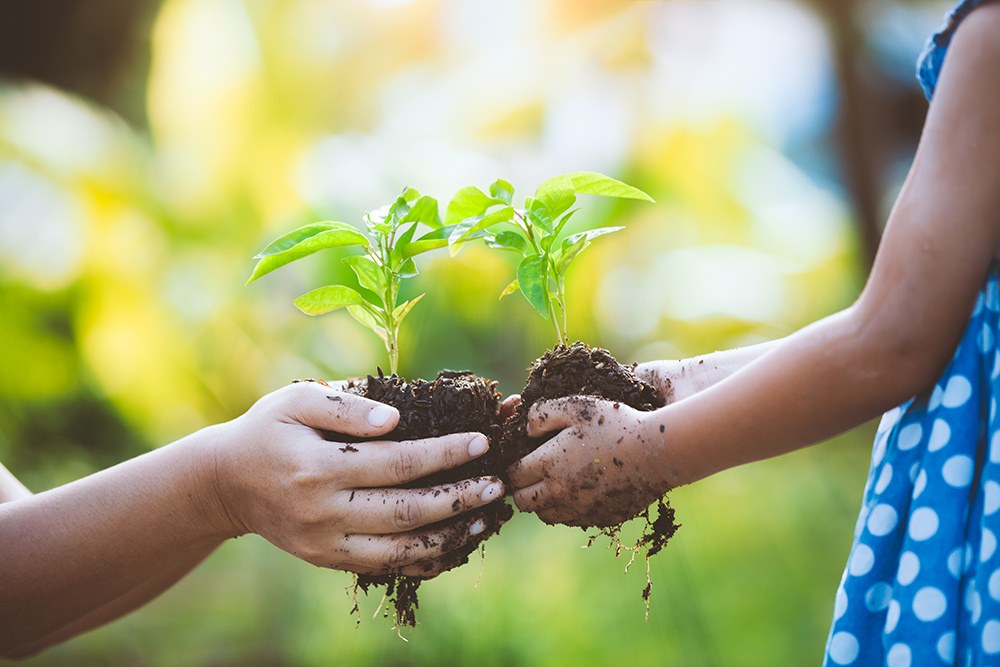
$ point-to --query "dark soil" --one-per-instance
(454, 402)
(579, 370)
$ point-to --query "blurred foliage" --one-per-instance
(125, 323)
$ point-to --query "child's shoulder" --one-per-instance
(932, 58)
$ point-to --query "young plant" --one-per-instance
(535, 233)
(388, 259)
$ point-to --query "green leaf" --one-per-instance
(403, 309)
(408, 269)
(396, 254)
(538, 214)
(507, 240)
(375, 220)
(532, 279)
(369, 274)
(566, 254)
(399, 210)
(590, 234)
(509, 289)
(557, 197)
(470, 226)
(502, 190)
(424, 210)
(589, 183)
(432, 240)
(328, 298)
(410, 194)
(467, 203)
(362, 315)
(305, 241)
(562, 221)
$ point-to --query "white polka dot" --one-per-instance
(882, 520)
(862, 560)
(957, 471)
(862, 519)
(996, 367)
(913, 470)
(844, 648)
(940, 434)
(946, 647)
(957, 393)
(993, 586)
(985, 339)
(935, 399)
(988, 545)
(992, 295)
(884, 478)
(955, 562)
(975, 606)
(968, 556)
(995, 448)
(892, 617)
(979, 305)
(890, 418)
(878, 596)
(899, 656)
(909, 566)
(920, 484)
(929, 603)
(991, 637)
(991, 500)
(993, 401)
(879, 452)
(909, 437)
(840, 606)
(923, 524)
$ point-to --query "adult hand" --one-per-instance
(327, 502)
(600, 470)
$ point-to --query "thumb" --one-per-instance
(321, 407)
(559, 413)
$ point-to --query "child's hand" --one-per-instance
(324, 502)
(599, 471)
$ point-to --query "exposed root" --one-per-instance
(655, 536)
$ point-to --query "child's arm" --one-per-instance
(84, 553)
(837, 373)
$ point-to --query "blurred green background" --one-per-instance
(149, 149)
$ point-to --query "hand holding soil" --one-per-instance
(599, 470)
(326, 502)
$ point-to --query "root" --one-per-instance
(655, 536)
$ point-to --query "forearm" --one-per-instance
(817, 383)
(115, 609)
(77, 548)
(683, 378)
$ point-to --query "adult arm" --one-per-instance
(838, 372)
(86, 552)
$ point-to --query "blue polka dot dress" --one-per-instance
(922, 582)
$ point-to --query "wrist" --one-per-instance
(213, 481)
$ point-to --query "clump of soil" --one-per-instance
(579, 370)
(454, 402)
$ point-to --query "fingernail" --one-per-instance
(477, 527)
(478, 446)
(379, 415)
(492, 491)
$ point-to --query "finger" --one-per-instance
(532, 468)
(322, 407)
(383, 511)
(380, 554)
(509, 406)
(561, 413)
(532, 498)
(382, 463)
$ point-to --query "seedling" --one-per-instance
(535, 234)
(388, 259)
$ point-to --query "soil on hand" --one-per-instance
(579, 370)
(454, 402)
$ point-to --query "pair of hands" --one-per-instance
(332, 505)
